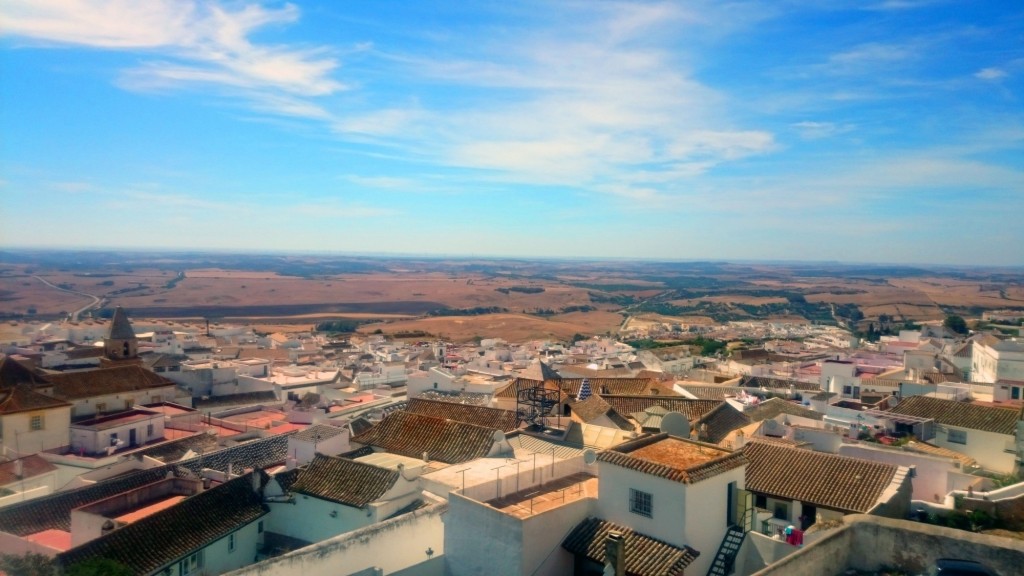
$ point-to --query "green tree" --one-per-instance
(956, 324)
(29, 564)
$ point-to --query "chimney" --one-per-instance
(739, 441)
(615, 554)
(19, 468)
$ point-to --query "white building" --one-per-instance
(985, 433)
(994, 360)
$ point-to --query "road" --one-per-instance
(96, 300)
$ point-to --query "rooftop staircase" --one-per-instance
(726, 556)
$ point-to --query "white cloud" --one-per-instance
(596, 102)
(990, 74)
(193, 43)
(809, 130)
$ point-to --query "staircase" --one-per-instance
(726, 555)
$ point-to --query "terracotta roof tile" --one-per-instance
(673, 458)
(411, 434)
(13, 373)
(22, 398)
(31, 466)
(645, 556)
(496, 418)
(777, 383)
(692, 409)
(344, 481)
(961, 414)
(116, 380)
(319, 432)
(571, 386)
(826, 480)
(772, 407)
(54, 511)
(157, 540)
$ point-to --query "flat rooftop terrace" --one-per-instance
(551, 495)
(677, 453)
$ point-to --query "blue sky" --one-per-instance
(888, 131)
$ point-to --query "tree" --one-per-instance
(29, 564)
(956, 324)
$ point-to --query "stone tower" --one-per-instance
(121, 343)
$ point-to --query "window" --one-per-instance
(259, 527)
(640, 503)
(101, 406)
(36, 422)
(781, 511)
(231, 542)
(149, 430)
(191, 563)
(956, 436)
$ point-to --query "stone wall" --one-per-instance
(870, 543)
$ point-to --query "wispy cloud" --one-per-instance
(990, 74)
(192, 43)
(597, 101)
(809, 130)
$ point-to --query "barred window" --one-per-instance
(640, 503)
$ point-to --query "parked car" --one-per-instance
(957, 567)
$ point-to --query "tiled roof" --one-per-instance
(360, 425)
(31, 466)
(54, 511)
(157, 540)
(272, 354)
(287, 478)
(826, 480)
(926, 448)
(777, 383)
(22, 398)
(174, 450)
(116, 380)
(709, 392)
(13, 373)
(673, 458)
(571, 386)
(266, 396)
(344, 481)
(592, 408)
(772, 407)
(411, 434)
(693, 409)
(318, 432)
(961, 414)
(120, 327)
(540, 371)
(645, 556)
(504, 420)
(716, 425)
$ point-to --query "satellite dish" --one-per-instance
(589, 456)
(675, 424)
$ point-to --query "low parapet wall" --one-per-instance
(870, 543)
(391, 546)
